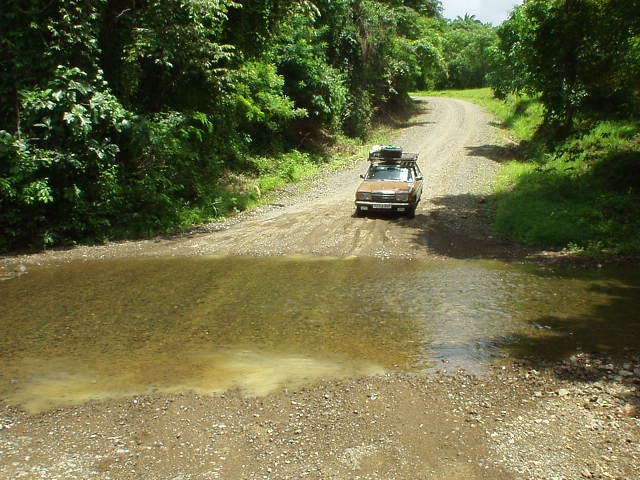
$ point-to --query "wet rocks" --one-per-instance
(12, 271)
(516, 423)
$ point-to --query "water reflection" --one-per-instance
(115, 328)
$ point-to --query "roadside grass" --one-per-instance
(581, 195)
(236, 191)
(266, 177)
(275, 173)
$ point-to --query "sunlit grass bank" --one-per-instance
(581, 194)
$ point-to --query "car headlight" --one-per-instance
(366, 196)
(402, 196)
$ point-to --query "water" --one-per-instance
(117, 328)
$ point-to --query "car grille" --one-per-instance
(383, 196)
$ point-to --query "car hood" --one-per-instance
(384, 185)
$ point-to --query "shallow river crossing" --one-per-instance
(116, 328)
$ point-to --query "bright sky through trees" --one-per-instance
(487, 11)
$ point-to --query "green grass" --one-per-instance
(581, 195)
(266, 176)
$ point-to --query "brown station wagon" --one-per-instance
(393, 182)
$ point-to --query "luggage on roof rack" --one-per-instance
(385, 151)
(391, 153)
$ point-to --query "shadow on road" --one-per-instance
(458, 226)
(497, 153)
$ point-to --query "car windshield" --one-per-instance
(390, 172)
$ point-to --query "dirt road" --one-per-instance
(459, 152)
(452, 138)
(574, 420)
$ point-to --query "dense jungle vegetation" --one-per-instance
(579, 187)
(123, 118)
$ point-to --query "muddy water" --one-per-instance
(116, 328)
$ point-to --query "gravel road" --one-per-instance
(460, 152)
(574, 419)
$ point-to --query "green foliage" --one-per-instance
(377, 25)
(465, 47)
(252, 27)
(430, 64)
(309, 80)
(384, 49)
(415, 56)
(584, 196)
(172, 54)
(38, 36)
(359, 114)
(579, 190)
(177, 166)
(279, 171)
(580, 56)
(122, 118)
(60, 170)
(261, 108)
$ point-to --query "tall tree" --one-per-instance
(61, 123)
(466, 49)
(578, 55)
(173, 57)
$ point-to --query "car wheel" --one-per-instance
(411, 213)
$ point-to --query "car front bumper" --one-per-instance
(384, 207)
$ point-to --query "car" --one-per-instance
(393, 182)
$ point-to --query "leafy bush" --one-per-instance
(259, 108)
(60, 172)
(579, 57)
(309, 80)
(465, 46)
(287, 168)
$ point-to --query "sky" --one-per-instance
(487, 11)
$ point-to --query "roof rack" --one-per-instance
(391, 154)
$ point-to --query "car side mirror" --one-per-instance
(419, 177)
(361, 176)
